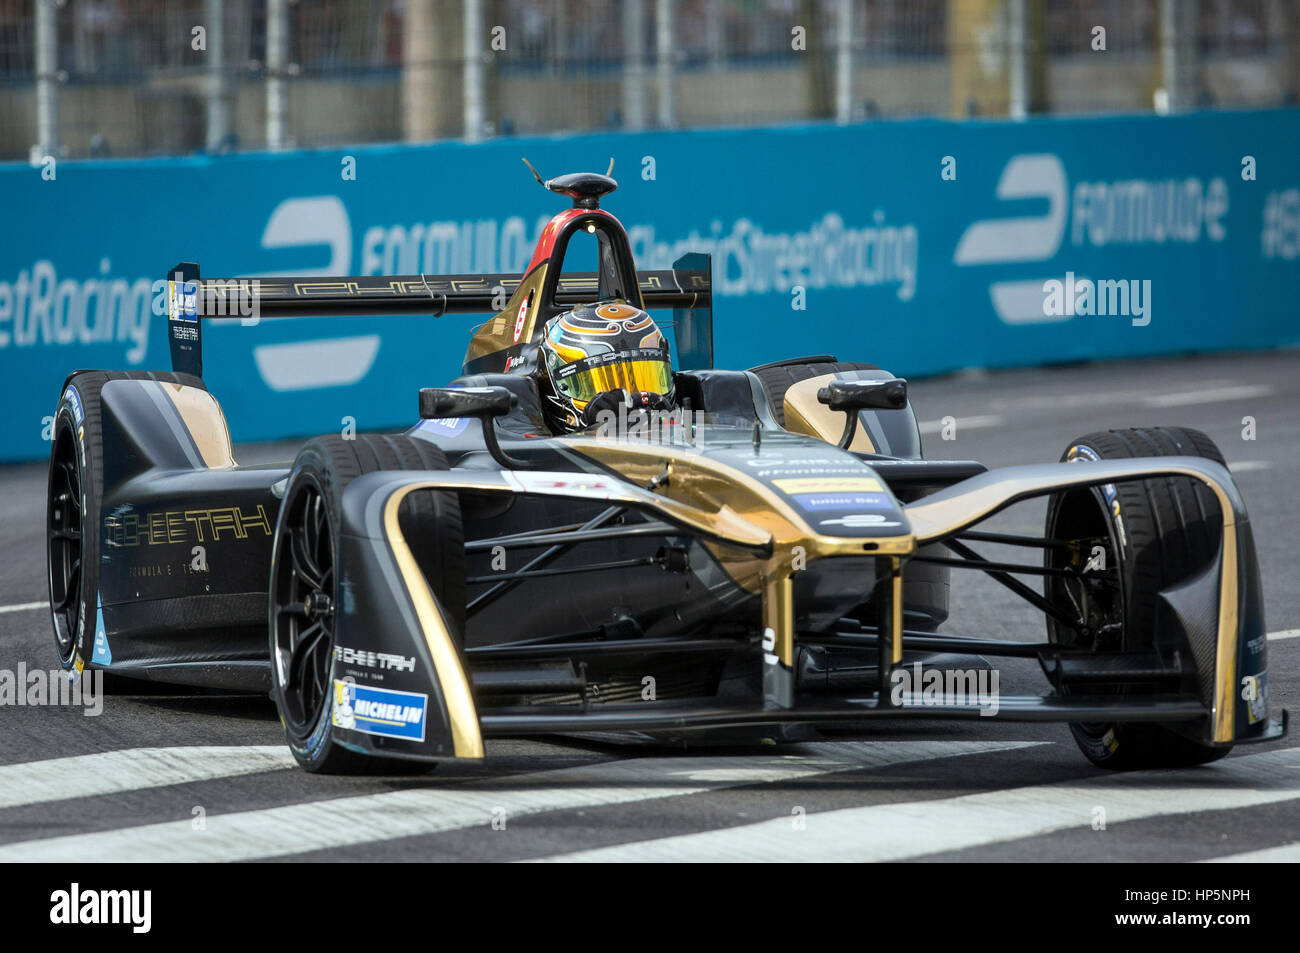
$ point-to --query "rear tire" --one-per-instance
(75, 490)
(306, 583)
(1158, 532)
(780, 377)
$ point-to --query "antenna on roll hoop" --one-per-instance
(535, 173)
(585, 188)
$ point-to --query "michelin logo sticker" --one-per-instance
(378, 711)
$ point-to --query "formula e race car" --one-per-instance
(593, 530)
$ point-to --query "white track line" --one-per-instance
(897, 831)
(1248, 466)
(1286, 854)
(111, 772)
(25, 607)
(341, 822)
(1284, 634)
(1211, 395)
(1086, 398)
(963, 423)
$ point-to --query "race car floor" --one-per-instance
(177, 777)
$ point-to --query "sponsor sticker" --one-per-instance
(101, 654)
(385, 661)
(562, 484)
(519, 321)
(829, 485)
(860, 520)
(446, 426)
(182, 300)
(842, 501)
(1254, 692)
(783, 471)
(379, 711)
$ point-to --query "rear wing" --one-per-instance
(687, 288)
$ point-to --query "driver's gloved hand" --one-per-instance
(622, 404)
(610, 401)
(650, 401)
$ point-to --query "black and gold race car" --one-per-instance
(712, 553)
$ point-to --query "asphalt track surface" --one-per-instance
(159, 777)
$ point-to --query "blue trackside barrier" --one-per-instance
(923, 246)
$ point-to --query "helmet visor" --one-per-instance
(632, 371)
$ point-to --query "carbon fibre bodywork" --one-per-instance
(185, 537)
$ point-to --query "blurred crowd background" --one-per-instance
(100, 78)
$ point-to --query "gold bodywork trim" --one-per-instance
(202, 416)
(931, 521)
(1225, 668)
(498, 332)
(778, 619)
(466, 733)
(778, 615)
(724, 524)
(716, 491)
(805, 414)
(896, 604)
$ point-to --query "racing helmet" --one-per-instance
(604, 348)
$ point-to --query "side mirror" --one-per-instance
(860, 395)
(485, 403)
(437, 403)
(853, 396)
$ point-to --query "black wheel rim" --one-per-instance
(65, 521)
(303, 606)
(1098, 598)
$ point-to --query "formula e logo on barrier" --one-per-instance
(309, 222)
(1007, 240)
(1174, 210)
(378, 711)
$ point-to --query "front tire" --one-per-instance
(1151, 534)
(306, 584)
